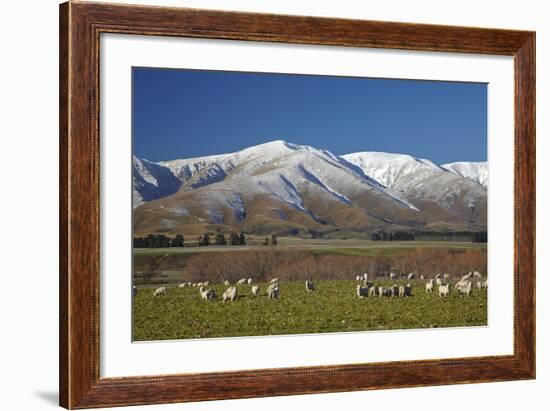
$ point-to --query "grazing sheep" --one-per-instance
(430, 286)
(446, 278)
(159, 291)
(444, 290)
(230, 294)
(467, 276)
(255, 290)
(362, 291)
(309, 286)
(274, 280)
(207, 294)
(401, 291)
(411, 276)
(421, 276)
(478, 285)
(476, 274)
(226, 283)
(182, 285)
(395, 291)
(464, 288)
(249, 281)
(393, 276)
(373, 291)
(437, 276)
(365, 276)
(438, 281)
(241, 281)
(407, 291)
(484, 284)
(381, 292)
(358, 278)
(206, 283)
(273, 291)
(194, 284)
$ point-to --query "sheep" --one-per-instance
(255, 290)
(309, 285)
(358, 278)
(401, 291)
(464, 288)
(362, 291)
(446, 277)
(200, 284)
(421, 276)
(430, 286)
(395, 291)
(467, 276)
(230, 294)
(249, 281)
(182, 285)
(393, 276)
(159, 291)
(478, 285)
(438, 281)
(476, 274)
(485, 284)
(373, 291)
(381, 291)
(226, 283)
(407, 290)
(444, 290)
(274, 280)
(411, 276)
(241, 281)
(365, 276)
(194, 284)
(437, 276)
(273, 291)
(207, 294)
(206, 283)
(388, 292)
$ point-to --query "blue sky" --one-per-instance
(189, 113)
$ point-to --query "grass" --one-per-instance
(333, 307)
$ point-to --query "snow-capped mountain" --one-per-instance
(289, 188)
(476, 171)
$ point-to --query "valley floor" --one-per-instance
(332, 307)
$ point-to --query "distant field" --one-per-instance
(333, 307)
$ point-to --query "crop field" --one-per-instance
(332, 307)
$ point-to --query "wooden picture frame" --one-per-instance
(80, 27)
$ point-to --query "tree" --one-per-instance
(178, 241)
(220, 239)
(242, 239)
(273, 239)
(234, 239)
(205, 241)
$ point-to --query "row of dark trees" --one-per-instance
(162, 241)
(464, 236)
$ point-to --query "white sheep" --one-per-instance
(444, 290)
(365, 276)
(421, 276)
(207, 294)
(182, 285)
(362, 291)
(309, 286)
(393, 276)
(373, 291)
(241, 281)
(249, 281)
(485, 284)
(395, 291)
(358, 278)
(381, 291)
(430, 286)
(226, 283)
(476, 274)
(464, 287)
(230, 294)
(159, 291)
(274, 280)
(446, 278)
(206, 283)
(411, 276)
(478, 285)
(438, 281)
(401, 291)
(437, 275)
(467, 276)
(255, 290)
(273, 291)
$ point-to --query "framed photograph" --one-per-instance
(260, 205)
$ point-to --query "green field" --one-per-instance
(332, 307)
